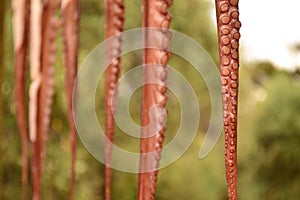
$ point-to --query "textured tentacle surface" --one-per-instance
(21, 30)
(114, 18)
(49, 32)
(44, 89)
(228, 33)
(70, 21)
(156, 15)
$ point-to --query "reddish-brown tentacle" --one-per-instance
(21, 30)
(70, 21)
(45, 89)
(228, 33)
(49, 33)
(156, 15)
(114, 18)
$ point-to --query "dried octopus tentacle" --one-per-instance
(36, 9)
(46, 55)
(49, 33)
(47, 87)
(70, 21)
(114, 17)
(35, 65)
(228, 32)
(156, 15)
(21, 30)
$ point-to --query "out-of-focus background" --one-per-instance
(269, 109)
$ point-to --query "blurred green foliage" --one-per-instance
(277, 129)
(269, 123)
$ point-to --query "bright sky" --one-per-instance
(269, 29)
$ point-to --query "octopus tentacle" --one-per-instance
(35, 74)
(21, 30)
(35, 65)
(228, 34)
(156, 15)
(114, 18)
(50, 27)
(70, 21)
(42, 86)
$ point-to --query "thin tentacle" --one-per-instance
(70, 21)
(43, 93)
(114, 18)
(21, 30)
(36, 10)
(228, 34)
(156, 15)
(49, 33)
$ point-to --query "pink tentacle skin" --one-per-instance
(45, 90)
(228, 34)
(70, 22)
(114, 18)
(35, 74)
(21, 30)
(156, 15)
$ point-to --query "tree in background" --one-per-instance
(277, 130)
(2, 15)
